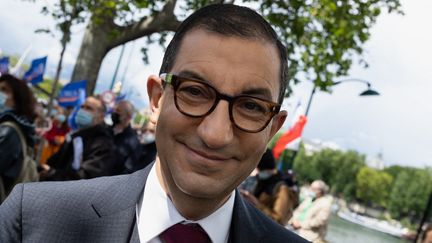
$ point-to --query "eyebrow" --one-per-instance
(260, 92)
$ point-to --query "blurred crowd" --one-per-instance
(276, 193)
(39, 143)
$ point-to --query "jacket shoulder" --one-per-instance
(260, 225)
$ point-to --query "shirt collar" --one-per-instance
(156, 213)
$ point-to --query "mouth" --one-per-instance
(208, 155)
(205, 159)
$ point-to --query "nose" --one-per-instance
(216, 129)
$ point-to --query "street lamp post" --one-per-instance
(367, 92)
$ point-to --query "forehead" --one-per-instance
(4, 86)
(120, 107)
(93, 103)
(231, 64)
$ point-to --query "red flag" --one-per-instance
(293, 135)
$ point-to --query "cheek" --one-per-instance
(10, 100)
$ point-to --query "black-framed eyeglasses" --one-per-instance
(195, 98)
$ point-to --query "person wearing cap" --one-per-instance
(310, 218)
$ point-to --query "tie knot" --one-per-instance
(185, 233)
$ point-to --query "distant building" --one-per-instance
(315, 145)
(375, 162)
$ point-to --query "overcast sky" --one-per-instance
(395, 124)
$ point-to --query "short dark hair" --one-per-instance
(229, 20)
(103, 107)
(25, 102)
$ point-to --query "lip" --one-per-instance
(205, 155)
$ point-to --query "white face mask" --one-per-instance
(147, 138)
(265, 174)
(312, 195)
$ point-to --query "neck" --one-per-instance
(118, 128)
(192, 208)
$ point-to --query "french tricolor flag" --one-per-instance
(292, 138)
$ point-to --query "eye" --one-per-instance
(193, 90)
(251, 105)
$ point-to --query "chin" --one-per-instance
(199, 186)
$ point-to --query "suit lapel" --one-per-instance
(244, 226)
(116, 206)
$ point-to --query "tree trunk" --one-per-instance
(105, 35)
(94, 47)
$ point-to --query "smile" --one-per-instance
(204, 159)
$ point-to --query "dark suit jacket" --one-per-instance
(103, 210)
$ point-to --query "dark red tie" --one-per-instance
(185, 233)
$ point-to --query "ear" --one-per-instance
(154, 91)
(277, 122)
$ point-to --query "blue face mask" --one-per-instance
(60, 118)
(265, 174)
(3, 99)
(83, 118)
(53, 112)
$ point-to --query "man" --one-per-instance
(88, 152)
(215, 107)
(125, 138)
(147, 147)
(311, 217)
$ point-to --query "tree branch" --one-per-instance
(164, 20)
(217, 1)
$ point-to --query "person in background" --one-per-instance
(147, 147)
(55, 137)
(427, 234)
(17, 106)
(310, 218)
(271, 194)
(88, 153)
(126, 141)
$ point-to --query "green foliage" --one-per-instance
(410, 193)
(46, 85)
(337, 168)
(140, 119)
(404, 191)
(373, 186)
(322, 36)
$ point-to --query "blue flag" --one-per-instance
(36, 71)
(4, 65)
(72, 94)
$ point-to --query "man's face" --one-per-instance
(94, 106)
(121, 110)
(208, 157)
(4, 87)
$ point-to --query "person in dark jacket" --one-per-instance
(125, 138)
(271, 194)
(88, 152)
(17, 105)
(148, 146)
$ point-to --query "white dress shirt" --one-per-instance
(156, 213)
